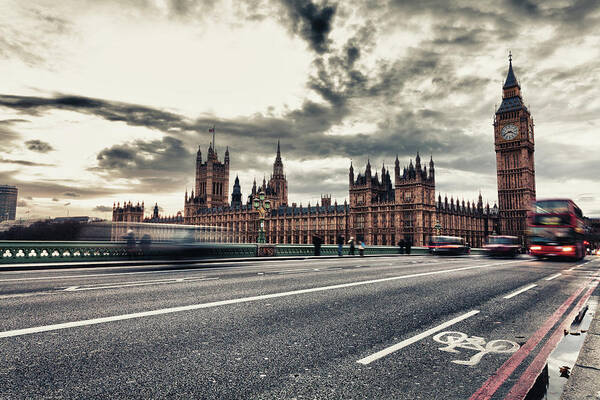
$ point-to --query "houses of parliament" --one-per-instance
(384, 206)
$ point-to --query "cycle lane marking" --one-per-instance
(454, 339)
(416, 338)
(391, 349)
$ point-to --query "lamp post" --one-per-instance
(437, 228)
(262, 206)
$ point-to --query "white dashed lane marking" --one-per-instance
(518, 292)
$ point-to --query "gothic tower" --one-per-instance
(212, 180)
(415, 192)
(278, 183)
(236, 195)
(514, 145)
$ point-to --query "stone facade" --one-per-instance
(379, 212)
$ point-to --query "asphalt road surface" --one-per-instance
(404, 327)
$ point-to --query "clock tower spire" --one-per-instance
(514, 145)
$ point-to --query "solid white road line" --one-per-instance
(131, 284)
(526, 288)
(94, 321)
(414, 339)
(60, 277)
(553, 277)
(172, 271)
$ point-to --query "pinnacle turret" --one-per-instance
(511, 79)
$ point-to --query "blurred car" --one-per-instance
(448, 245)
(502, 246)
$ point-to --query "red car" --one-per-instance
(502, 246)
(448, 245)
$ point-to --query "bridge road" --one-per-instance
(321, 328)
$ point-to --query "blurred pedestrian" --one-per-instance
(407, 245)
(401, 246)
(130, 243)
(317, 241)
(145, 243)
(361, 248)
(351, 242)
(340, 243)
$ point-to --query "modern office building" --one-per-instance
(8, 202)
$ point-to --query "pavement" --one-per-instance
(584, 382)
(417, 327)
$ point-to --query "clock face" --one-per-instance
(509, 132)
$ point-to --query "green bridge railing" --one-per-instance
(14, 252)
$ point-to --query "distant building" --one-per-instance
(128, 213)
(8, 202)
(382, 210)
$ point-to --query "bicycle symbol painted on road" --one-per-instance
(455, 340)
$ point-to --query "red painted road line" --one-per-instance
(526, 381)
(490, 386)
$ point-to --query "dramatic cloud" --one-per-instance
(39, 146)
(102, 209)
(381, 79)
(158, 164)
(134, 115)
(24, 162)
(8, 136)
(311, 21)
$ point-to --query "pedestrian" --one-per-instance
(130, 243)
(407, 245)
(340, 243)
(317, 241)
(145, 243)
(361, 248)
(351, 242)
(401, 246)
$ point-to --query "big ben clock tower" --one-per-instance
(514, 143)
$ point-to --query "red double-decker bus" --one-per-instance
(556, 229)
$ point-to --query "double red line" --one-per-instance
(520, 389)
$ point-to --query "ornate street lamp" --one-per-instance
(262, 206)
(437, 228)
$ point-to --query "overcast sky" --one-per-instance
(104, 101)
